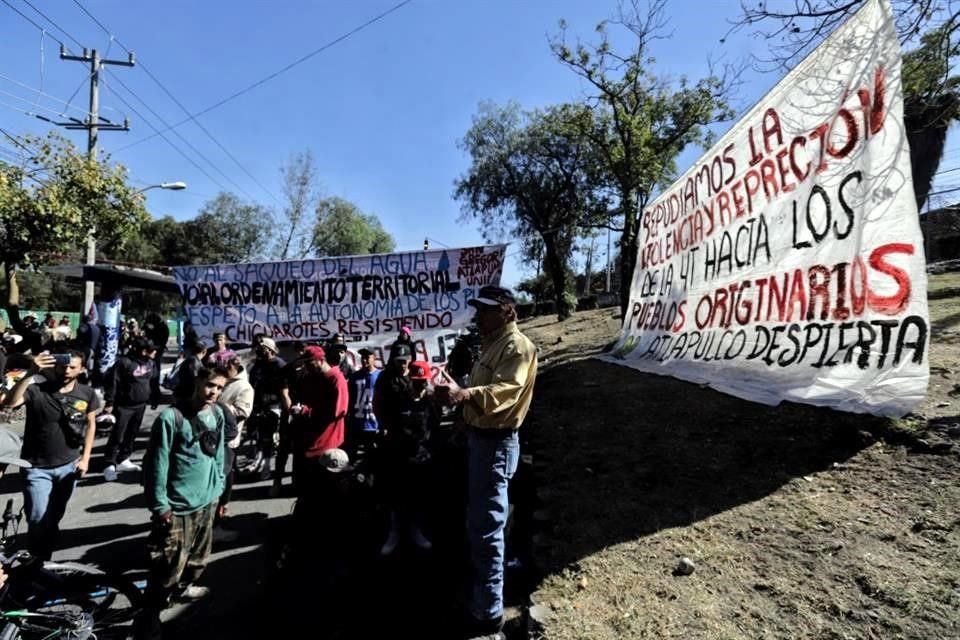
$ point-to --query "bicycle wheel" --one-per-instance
(28, 625)
(9, 631)
(69, 588)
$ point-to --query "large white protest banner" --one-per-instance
(787, 263)
(366, 299)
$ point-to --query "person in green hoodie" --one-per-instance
(184, 477)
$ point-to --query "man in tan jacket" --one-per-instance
(495, 402)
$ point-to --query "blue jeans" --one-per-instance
(492, 458)
(45, 496)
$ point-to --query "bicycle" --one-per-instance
(66, 600)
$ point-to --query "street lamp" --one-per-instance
(172, 186)
(91, 245)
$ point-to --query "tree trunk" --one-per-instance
(554, 265)
(588, 268)
(628, 259)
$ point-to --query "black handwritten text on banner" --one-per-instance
(367, 299)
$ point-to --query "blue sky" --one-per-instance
(381, 111)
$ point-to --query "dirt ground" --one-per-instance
(800, 522)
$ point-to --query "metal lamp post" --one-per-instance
(91, 245)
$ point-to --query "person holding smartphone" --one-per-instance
(495, 405)
(57, 441)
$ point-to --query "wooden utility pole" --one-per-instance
(93, 124)
(589, 266)
(608, 260)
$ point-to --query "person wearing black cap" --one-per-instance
(88, 338)
(336, 351)
(318, 421)
(187, 370)
(125, 395)
(268, 379)
(390, 397)
(494, 406)
(362, 427)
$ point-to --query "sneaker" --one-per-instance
(393, 539)
(420, 540)
(194, 592)
(110, 473)
(129, 465)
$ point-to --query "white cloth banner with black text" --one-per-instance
(366, 299)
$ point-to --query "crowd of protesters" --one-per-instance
(234, 415)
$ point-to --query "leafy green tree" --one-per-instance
(342, 229)
(231, 230)
(226, 230)
(931, 91)
(159, 243)
(642, 121)
(530, 175)
(931, 102)
(49, 204)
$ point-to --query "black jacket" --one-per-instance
(128, 383)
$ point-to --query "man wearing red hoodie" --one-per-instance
(317, 420)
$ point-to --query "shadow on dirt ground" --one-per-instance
(669, 454)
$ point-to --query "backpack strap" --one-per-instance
(177, 417)
(230, 427)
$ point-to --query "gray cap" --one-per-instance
(10, 444)
(335, 460)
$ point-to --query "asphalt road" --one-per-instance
(106, 525)
(335, 584)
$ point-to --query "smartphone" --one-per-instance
(62, 358)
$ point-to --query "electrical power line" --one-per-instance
(28, 19)
(33, 104)
(18, 109)
(11, 155)
(86, 81)
(273, 75)
(144, 119)
(55, 25)
(176, 101)
(12, 138)
(46, 95)
(169, 142)
(176, 133)
(211, 136)
(943, 191)
(435, 241)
